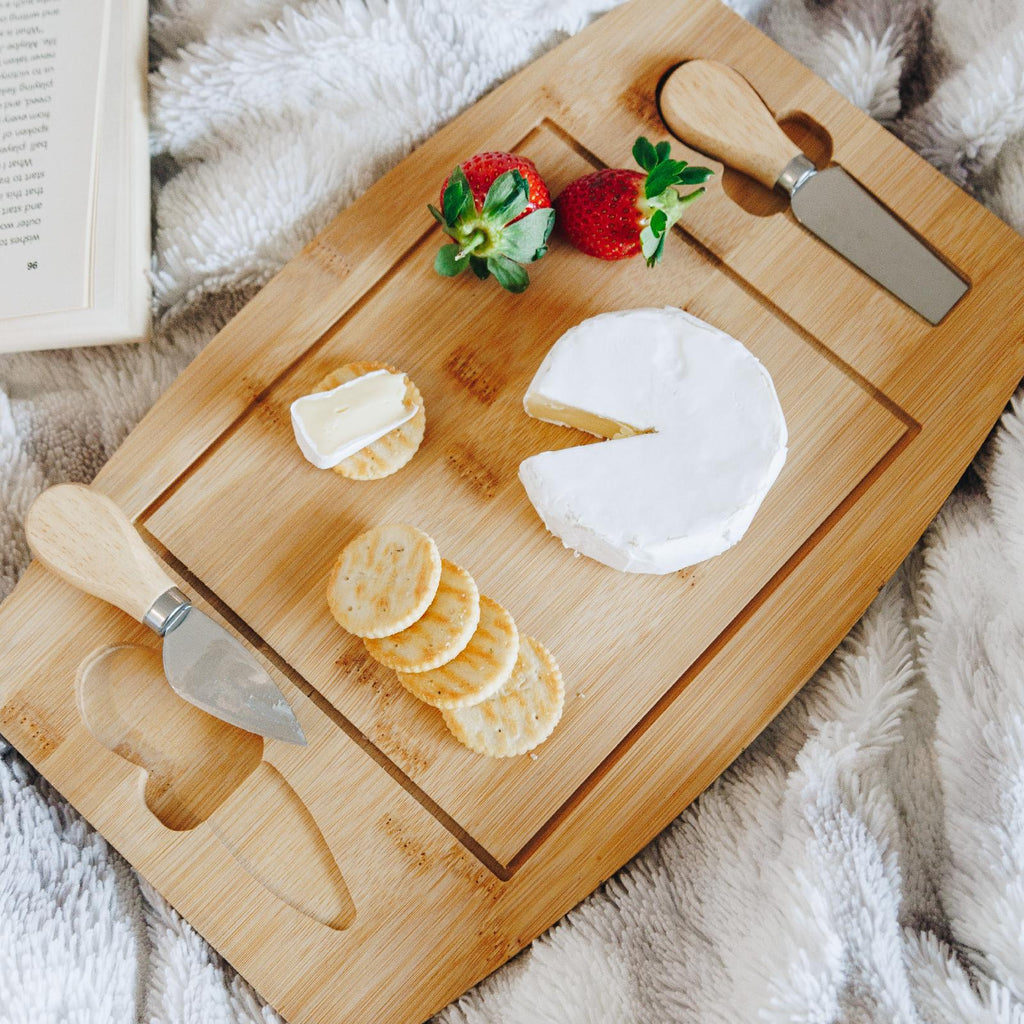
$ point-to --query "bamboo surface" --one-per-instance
(435, 864)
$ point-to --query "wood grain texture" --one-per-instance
(193, 761)
(462, 489)
(709, 105)
(453, 862)
(287, 852)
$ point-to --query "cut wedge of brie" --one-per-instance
(697, 439)
(332, 425)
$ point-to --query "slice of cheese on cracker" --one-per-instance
(332, 425)
(364, 420)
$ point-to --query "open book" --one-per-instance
(74, 173)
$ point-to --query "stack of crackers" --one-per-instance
(423, 616)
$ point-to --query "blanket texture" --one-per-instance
(863, 861)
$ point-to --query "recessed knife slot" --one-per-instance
(200, 769)
(193, 761)
(760, 201)
(713, 108)
(814, 139)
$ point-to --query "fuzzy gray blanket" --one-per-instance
(864, 860)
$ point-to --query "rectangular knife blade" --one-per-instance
(713, 108)
(845, 216)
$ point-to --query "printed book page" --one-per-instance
(51, 65)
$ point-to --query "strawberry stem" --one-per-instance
(660, 201)
(494, 238)
(472, 243)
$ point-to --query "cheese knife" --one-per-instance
(84, 538)
(714, 109)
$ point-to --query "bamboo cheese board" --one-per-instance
(383, 869)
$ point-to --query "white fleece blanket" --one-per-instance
(863, 861)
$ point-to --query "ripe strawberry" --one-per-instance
(482, 169)
(498, 211)
(616, 213)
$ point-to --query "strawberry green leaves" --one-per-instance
(509, 274)
(507, 197)
(616, 213)
(458, 198)
(652, 237)
(497, 236)
(662, 172)
(497, 212)
(526, 240)
(646, 154)
(447, 261)
(660, 201)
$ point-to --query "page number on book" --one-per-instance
(32, 265)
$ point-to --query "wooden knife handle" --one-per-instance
(84, 538)
(713, 108)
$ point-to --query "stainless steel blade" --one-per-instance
(208, 667)
(847, 217)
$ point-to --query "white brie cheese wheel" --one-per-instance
(698, 438)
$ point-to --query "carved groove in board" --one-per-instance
(506, 871)
(250, 636)
(477, 367)
(199, 770)
(734, 627)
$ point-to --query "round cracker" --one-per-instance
(384, 580)
(479, 671)
(523, 713)
(441, 633)
(388, 454)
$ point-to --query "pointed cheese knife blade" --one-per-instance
(83, 537)
(209, 668)
(714, 109)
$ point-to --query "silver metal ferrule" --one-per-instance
(794, 174)
(167, 611)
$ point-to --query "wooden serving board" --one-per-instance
(382, 870)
